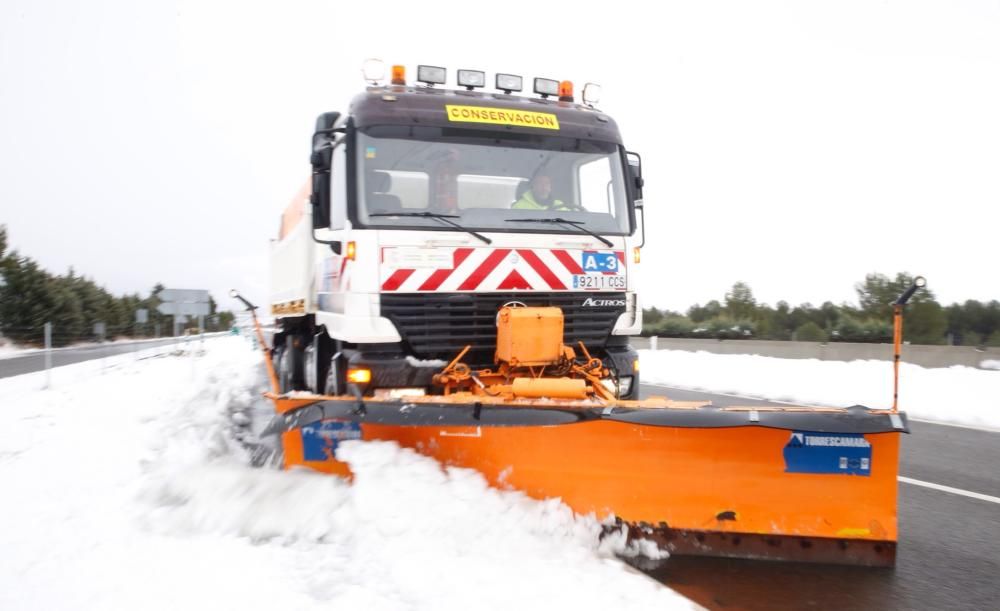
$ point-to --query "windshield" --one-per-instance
(486, 180)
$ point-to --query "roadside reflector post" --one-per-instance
(652, 343)
(897, 334)
(48, 354)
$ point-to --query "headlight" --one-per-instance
(624, 385)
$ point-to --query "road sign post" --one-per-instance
(141, 318)
(183, 302)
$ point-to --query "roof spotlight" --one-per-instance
(471, 78)
(508, 83)
(546, 87)
(431, 75)
(591, 94)
(373, 70)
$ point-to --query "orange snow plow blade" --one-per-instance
(806, 484)
(782, 483)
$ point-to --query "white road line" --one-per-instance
(971, 495)
(722, 394)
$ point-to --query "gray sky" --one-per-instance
(795, 146)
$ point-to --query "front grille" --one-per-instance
(438, 326)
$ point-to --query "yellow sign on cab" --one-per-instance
(501, 116)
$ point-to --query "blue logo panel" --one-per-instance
(839, 453)
(319, 440)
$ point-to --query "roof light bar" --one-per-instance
(509, 83)
(471, 78)
(546, 87)
(431, 75)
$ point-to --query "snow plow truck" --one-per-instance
(460, 277)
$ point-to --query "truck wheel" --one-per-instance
(334, 374)
(290, 373)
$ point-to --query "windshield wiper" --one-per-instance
(562, 221)
(444, 218)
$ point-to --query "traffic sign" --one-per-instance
(183, 309)
(183, 295)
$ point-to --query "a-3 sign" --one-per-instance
(183, 302)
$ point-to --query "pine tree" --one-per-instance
(740, 303)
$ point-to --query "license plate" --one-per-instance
(595, 282)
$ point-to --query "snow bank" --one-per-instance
(130, 489)
(955, 394)
(9, 349)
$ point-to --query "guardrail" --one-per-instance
(925, 356)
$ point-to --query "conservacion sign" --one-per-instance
(502, 116)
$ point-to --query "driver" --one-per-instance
(539, 196)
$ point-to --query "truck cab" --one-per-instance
(430, 209)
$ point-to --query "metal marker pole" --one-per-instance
(48, 354)
(897, 335)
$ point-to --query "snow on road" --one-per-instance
(962, 395)
(125, 487)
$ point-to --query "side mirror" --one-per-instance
(320, 159)
(635, 176)
(319, 199)
(324, 129)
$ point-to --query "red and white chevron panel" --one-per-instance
(411, 270)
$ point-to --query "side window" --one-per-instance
(595, 186)
(338, 187)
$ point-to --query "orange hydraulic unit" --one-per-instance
(811, 484)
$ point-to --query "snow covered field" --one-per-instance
(124, 486)
(961, 395)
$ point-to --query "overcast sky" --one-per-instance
(795, 146)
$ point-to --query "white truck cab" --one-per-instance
(430, 209)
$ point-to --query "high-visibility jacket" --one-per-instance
(527, 202)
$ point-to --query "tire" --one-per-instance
(290, 374)
(332, 386)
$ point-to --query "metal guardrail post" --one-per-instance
(48, 354)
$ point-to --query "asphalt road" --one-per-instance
(949, 546)
(35, 361)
